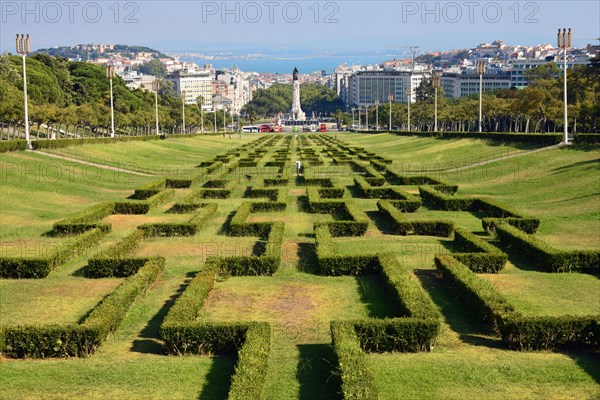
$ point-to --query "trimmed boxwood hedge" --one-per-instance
(265, 264)
(116, 260)
(85, 220)
(143, 206)
(214, 194)
(477, 254)
(480, 295)
(517, 331)
(59, 143)
(437, 200)
(178, 183)
(148, 190)
(258, 192)
(401, 226)
(40, 267)
(551, 332)
(357, 382)
(545, 255)
(189, 228)
(409, 294)
(397, 334)
(331, 264)
(12, 145)
(45, 341)
(276, 181)
(250, 376)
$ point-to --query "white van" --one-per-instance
(250, 129)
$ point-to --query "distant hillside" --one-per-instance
(95, 51)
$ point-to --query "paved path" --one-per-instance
(92, 164)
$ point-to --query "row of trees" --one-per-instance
(537, 108)
(72, 99)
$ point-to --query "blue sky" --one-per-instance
(296, 27)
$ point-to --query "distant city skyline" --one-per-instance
(297, 27)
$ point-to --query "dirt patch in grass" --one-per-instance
(297, 192)
(124, 221)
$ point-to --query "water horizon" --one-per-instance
(285, 65)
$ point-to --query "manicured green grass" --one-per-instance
(470, 363)
(481, 373)
(172, 157)
(425, 154)
(38, 191)
(543, 293)
(559, 186)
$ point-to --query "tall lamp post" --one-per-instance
(359, 120)
(367, 116)
(353, 124)
(183, 112)
(156, 87)
(565, 41)
(110, 74)
(436, 84)
(377, 114)
(409, 101)
(390, 98)
(200, 101)
(216, 128)
(24, 47)
(481, 69)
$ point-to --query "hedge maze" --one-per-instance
(351, 198)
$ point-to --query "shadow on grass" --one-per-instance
(381, 222)
(225, 227)
(307, 258)
(377, 297)
(316, 372)
(457, 314)
(218, 379)
(517, 260)
(354, 192)
(589, 363)
(302, 204)
(151, 332)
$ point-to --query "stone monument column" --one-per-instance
(297, 113)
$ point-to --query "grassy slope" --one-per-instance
(131, 364)
(173, 156)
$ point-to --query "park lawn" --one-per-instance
(479, 372)
(147, 376)
(544, 293)
(419, 154)
(467, 361)
(470, 362)
(46, 301)
(38, 191)
(171, 157)
(559, 186)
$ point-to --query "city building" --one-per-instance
(466, 83)
(367, 87)
(194, 84)
(519, 68)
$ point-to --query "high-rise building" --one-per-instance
(194, 84)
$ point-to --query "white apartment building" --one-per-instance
(194, 84)
(457, 85)
(367, 87)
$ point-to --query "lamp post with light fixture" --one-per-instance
(565, 41)
(481, 67)
(23, 44)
